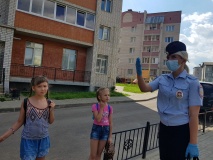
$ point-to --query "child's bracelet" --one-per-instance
(13, 131)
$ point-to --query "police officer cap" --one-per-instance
(177, 47)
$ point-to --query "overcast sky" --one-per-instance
(196, 24)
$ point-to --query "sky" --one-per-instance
(196, 24)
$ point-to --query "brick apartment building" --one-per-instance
(146, 35)
(72, 42)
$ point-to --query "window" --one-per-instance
(60, 12)
(170, 28)
(33, 54)
(154, 60)
(130, 71)
(132, 50)
(90, 21)
(80, 18)
(104, 33)
(49, 7)
(106, 5)
(133, 29)
(132, 39)
(168, 39)
(147, 49)
(101, 64)
(156, 19)
(131, 60)
(69, 59)
(37, 6)
(71, 15)
(153, 27)
(24, 5)
(145, 60)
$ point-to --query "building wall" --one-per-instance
(43, 25)
(91, 4)
(137, 19)
(56, 35)
(109, 48)
(52, 52)
(7, 12)
(197, 72)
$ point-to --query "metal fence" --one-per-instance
(135, 142)
(20, 70)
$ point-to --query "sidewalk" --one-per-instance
(205, 141)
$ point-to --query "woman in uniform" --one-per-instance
(178, 104)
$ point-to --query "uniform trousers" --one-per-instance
(173, 141)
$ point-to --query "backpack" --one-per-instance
(25, 107)
(97, 109)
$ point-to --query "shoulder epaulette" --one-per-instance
(191, 77)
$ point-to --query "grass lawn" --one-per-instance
(73, 95)
(130, 87)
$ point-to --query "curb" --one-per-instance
(17, 109)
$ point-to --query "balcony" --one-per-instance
(23, 73)
(151, 43)
(147, 32)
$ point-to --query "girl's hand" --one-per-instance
(102, 104)
(109, 140)
(52, 105)
(1, 139)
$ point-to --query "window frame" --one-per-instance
(169, 39)
(34, 50)
(101, 67)
(103, 30)
(170, 28)
(104, 6)
(130, 71)
(68, 63)
(132, 50)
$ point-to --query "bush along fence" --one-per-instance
(136, 142)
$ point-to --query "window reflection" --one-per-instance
(24, 5)
(49, 9)
(37, 6)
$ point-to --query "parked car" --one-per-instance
(207, 99)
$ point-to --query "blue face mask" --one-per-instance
(172, 65)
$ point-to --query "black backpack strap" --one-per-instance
(25, 109)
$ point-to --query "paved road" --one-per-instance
(70, 132)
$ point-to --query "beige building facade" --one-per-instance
(146, 35)
(204, 72)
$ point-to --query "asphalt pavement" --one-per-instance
(205, 140)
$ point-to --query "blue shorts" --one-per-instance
(30, 149)
(99, 132)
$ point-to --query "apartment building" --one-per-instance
(73, 43)
(204, 72)
(146, 35)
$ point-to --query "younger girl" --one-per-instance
(36, 117)
(102, 125)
